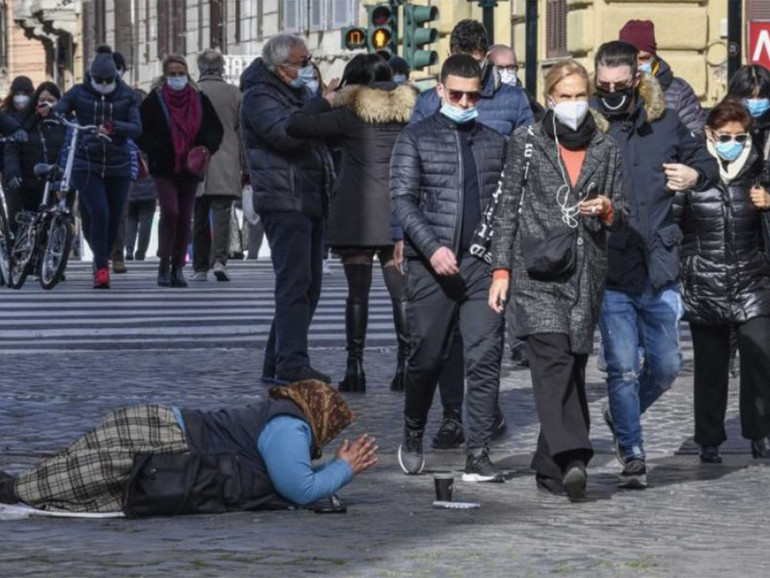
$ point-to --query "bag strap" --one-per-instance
(529, 150)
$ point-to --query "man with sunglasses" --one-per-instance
(444, 170)
(679, 94)
(642, 305)
(289, 179)
(503, 108)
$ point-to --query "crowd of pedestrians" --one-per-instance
(615, 203)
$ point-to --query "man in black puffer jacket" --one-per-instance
(679, 94)
(443, 172)
(288, 178)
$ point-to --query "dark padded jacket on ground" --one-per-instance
(365, 122)
(120, 108)
(725, 270)
(287, 173)
(44, 145)
(528, 209)
(156, 140)
(502, 107)
(648, 247)
(681, 97)
(426, 181)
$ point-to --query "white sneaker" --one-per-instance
(200, 276)
(328, 267)
(220, 271)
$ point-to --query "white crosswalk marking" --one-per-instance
(137, 314)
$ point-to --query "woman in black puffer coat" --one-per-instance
(364, 117)
(726, 284)
(44, 144)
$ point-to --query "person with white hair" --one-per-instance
(290, 180)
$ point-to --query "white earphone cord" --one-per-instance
(569, 213)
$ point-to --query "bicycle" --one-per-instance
(45, 236)
(6, 237)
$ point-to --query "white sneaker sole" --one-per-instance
(404, 468)
(633, 482)
(479, 478)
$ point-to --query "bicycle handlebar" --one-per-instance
(89, 128)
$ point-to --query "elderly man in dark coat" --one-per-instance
(289, 180)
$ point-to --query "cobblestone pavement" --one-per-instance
(694, 520)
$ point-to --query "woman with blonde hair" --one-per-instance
(561, 191)
(181, 129)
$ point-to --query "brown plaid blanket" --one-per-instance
(90, 474)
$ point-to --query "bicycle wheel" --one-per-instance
(21, 255)
(5, 245)
(53, 260)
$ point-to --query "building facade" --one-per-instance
(55, 39)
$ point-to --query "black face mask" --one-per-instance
(615, 103)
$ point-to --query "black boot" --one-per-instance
(402, 334)
(164, 279)
(356, 317)
(177, 277)
(7, 493)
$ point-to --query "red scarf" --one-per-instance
(185, 112)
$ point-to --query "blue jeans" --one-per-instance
(296, 249)
(628, 322)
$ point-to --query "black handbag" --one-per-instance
(553, 258)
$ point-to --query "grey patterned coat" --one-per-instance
(570, 306)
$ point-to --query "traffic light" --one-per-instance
(415, 36)
(382, 31)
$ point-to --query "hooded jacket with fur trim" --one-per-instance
(648, 248)
(365, 121)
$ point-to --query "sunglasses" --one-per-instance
(98, 80)
(302, 63)
(725, 137)
(457, 95)
(607, 88)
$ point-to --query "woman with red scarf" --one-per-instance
(179, 123)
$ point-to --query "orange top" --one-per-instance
(573, 160)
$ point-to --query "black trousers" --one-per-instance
(139, 227)
(559, 385)
(210, 243)
(711, 345)
(437, 306)
(296, 244)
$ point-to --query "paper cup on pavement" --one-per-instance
(444, 486)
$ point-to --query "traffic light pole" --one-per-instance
(734, 33)
(488, 18)
(530, 54)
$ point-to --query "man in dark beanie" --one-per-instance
(678, 93)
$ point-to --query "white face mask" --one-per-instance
(509, 77)
(20, 101)
(571, 113)
(104, 88)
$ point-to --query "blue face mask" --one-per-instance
(399, 78)
(728, 151)
(757, 106)
(304, 76)
(176, 82)
(646, 68)
(458, 115)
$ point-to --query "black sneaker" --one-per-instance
(519, 356)
(549, 485)
(481, 469)
(634, 475)
(611, 425)
(574, 481)
(410, 456)
(450, 435)
(301, 374)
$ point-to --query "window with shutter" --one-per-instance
(556, 28)
(757, 10)
(164, 26)
(317, 14)
(218, 23)
(178, 26)
(290, 15)
(3, 35)
(124, 34)
(343, 13)
(99, 23)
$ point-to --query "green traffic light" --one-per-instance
(416, 37)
